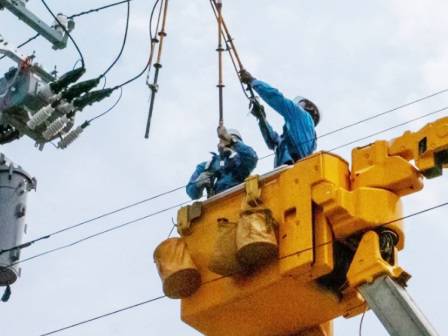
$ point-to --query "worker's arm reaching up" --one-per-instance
(300, 116)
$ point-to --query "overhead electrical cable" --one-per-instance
(123, 44)
(114, 228)
(415, 214)
(105, 315)
(167, 209)
(110, 108)
(151, 52)
(67, 32)
(69, 228)
(95, 10)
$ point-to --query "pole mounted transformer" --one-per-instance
(15, 184)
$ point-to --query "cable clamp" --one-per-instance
(153, 87)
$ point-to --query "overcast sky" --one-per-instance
(353, 58)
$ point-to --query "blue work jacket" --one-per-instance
(298, 139)
(227, 171)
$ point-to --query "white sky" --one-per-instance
(353, 58)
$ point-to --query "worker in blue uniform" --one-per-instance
(231, 166)
(301, 116)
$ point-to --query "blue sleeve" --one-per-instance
(271, 137)
(247, 158)
(275, 99)
(192, 189)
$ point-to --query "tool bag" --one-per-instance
(179, 274)
(255, 238)
(223, 260)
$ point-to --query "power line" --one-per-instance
(25, 245)
(65, 31)
(123, 43)
(105, 315)
(152, 45)
(32, 38)
(110, 108)
(98, 9)
(114, 228)
(175, 206)
(390, 128)
(222, 277)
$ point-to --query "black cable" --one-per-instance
(114, 228)
(98, 9)
(24, 43)
(307, 158)
(361, 322)
(151, 53)
(104, 315)
(222, 277)
(109, 109)
(28, 41)
(389, 128)
(384, 113)
(123, 43)
(19, 247)
(67, 32)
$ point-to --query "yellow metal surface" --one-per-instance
(314, 202)
(186, 215)
(281, 298)
(427, 146)
(368, 264)
(372, 166)
(321, 330)
(359, 210)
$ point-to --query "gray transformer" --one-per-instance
(15, 184)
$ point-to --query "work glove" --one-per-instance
(256, 109)
(246, 77)
(224, 135)
(204, 180)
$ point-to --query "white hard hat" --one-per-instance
(235, 133)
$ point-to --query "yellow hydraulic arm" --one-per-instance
(338, 230)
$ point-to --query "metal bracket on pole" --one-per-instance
(395, 308)
(19, 58)
(53, 34)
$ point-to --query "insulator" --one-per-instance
(55, 127)
(69, 138)
(40, 117)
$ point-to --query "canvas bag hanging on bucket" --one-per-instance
(179, 274)
(223, 260)
(255, 238)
